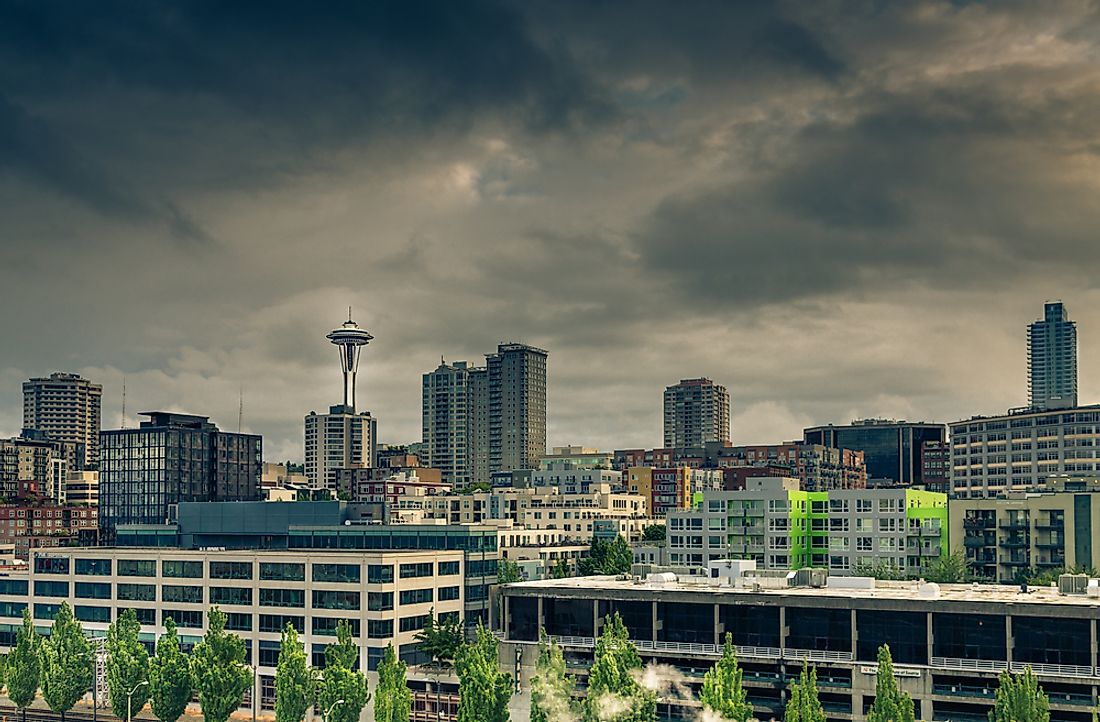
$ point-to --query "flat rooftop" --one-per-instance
(883, 591)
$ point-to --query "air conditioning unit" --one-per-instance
(1073, 583)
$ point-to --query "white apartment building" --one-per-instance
(66, 407)
(386, 596)
(991, 456)
(577, 480)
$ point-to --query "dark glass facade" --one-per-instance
(173, 458)
(891, 450)
(905, 632)
(821, 629)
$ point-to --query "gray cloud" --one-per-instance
(836, 209)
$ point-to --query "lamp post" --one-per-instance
(255, 695)
(129, 698)
(324, 717)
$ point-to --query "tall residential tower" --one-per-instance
(477, 420)
(697, 412)
(1052, 360)
(66, 408)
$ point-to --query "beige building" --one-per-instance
(82, 488)
(1022, 532)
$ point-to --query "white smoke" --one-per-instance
(610, 706)
(672, 685)
(557, 705)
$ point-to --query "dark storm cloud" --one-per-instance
(758, 192)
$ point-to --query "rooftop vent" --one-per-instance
(1073, 583)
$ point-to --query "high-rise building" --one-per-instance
(342, 438)
(338, 440)
(1052, 360)
(477, 421)
(697, 411)
(66, 408)
(517, 406)
(891, 449)
(172, 458)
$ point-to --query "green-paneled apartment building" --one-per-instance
(782, 527)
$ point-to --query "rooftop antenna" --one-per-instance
(123, 424)
(240, 409)
(349, 313)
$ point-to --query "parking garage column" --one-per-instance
(1008, 639)
(654, 621)
(718, 633)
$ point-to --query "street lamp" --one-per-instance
(324, 717)
(255, 697)
(130, 696)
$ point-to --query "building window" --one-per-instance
(416, 596)
(448, 568)
(379, 573)
(94, 567)
(175, 569)
(414, 624)
(380, 628)
(282, 598)
(379, 601)
(277, 622)
(136, 592)
(230, 595)
(338, 573)
(177, 593)
(326, 626)
(92, 614)
(92, 590)
(183, 617)
(447, 594)
(51, 565)
(230, 570)
(51, 589)
(137, 568)
(238, 621)
(282, 571)
(323, 599)
(46, 611)
(415, 571)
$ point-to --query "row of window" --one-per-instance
(269, 571)
(279, 597)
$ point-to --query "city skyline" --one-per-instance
(835, 213)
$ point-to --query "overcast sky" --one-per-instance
(837, 210)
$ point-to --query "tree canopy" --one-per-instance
(67, 663)
(606, 558)
(127, 665)
(218, 669)
(804, 705)
(722, 689)
(551, 688)
(392, 696)
(1020, 699)
(23, 665)
(483, 690)
(342, 680)
(295, 683)
(891, 704)
(441, 637)
(614, 694)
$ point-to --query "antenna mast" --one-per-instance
(240, 409)
(123, 423)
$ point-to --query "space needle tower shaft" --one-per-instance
(349, 339)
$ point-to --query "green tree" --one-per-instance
(722, 690)
(483, 690)
(653, 533)
(127, 664)
(392, 697)
(1044, 578)
(341, 679)
(294, 680)
(606, 558)
(441, 637)
(170, 682)
(508, 572)
(1020, 699)
(218, 670)
(804, 704)
(66, 662)
(614, 694)
(885, 570)
(953, 568)
(551, 688)
(24, 665)
(561, 569)
(891, 704)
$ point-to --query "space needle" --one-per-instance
(349, 338)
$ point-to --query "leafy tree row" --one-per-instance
(61, 665)
(953, 568)
(606, 558)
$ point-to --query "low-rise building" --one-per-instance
(82, 488)
(576, 457)
(43, 525)
(948, 642)
(1024, 533)
(386, 595)
(781, 527)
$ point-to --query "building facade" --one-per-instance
(891, 449)
(781, 527)
(1026, 533)
(43, 526)
(991, 456)
(340, 439)
(172, 458)
(576, 457)
(817, 467)
(387, 596)
(66, 407)
(26, 467)
(667, 490)
(696, 412)
(477, 421)
(948, 642)
(1052, 360)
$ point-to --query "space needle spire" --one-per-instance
(349, 338)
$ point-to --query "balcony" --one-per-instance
(979, 524)
(1016, 562)
(1051, 524)
(973, 542)
(1015, 524)
(1014, 543)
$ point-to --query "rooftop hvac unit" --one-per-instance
(1073, 583)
